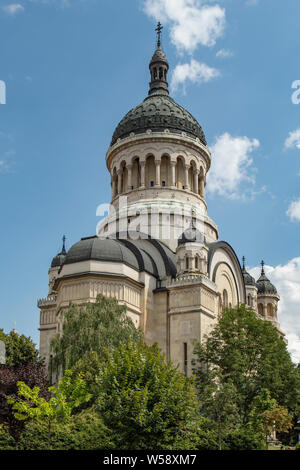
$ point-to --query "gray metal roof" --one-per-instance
(101, 249)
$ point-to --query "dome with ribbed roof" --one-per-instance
(60, 258)
(101, 249)
(191, 235)
(264, 285)
(248, 279)
(157, 113)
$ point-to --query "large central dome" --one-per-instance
(158, 111)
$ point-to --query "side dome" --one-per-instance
(248, 279)
(264, 285)
(101, 249)
(158, 112)
(191, 235)
(60, 258)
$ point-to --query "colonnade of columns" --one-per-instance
(158, 173)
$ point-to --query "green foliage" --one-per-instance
(244, 439)
(20, 350)
(84, 431)
(32, 375)
(218, 401)
(147, 402)
(266, 416)
(91, 331)
(69, 394)
(248, 353)
(7, 442)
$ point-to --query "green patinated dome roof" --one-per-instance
(158, 112)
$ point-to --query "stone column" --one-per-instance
(143, 164)
(129, 185)
(202, 188)
(157, 173)
(113, 188)
(173, 174)
(186, 176)
(265, 310)
(119, 173)
(196, 188)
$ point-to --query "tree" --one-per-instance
(20, 350)
(68, 395)
(219, 402)
(147, 402)
(32, 375)
(267, 417)
(249, 353)
(91, 331)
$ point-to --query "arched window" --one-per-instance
(270, 310)
(261, 309)
(196, 262)
(225, 299)
(186, 263)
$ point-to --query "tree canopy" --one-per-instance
(20, 350)
(248, 353)
(90, 332)
(147, 402)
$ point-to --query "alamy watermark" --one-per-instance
(155, 220)
(2, 92)
(296, 95)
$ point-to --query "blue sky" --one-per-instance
(73, 68)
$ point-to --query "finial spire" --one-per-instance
(158, 31)
(63, 251)
(159, 68)
(244, 260)
(262, 267)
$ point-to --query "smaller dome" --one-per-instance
(60, 258)
(248, 279)
(264, 285)
(191, 235)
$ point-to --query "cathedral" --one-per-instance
(157, 251)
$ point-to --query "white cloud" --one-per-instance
(293, 140)
(13, 8)
(293, 211)
(224, 54)
(231, 165)
(192, 22)
(286, 279)
(195, 72)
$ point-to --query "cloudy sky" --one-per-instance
(73, 68)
